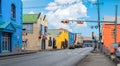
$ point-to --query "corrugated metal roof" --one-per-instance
(87, 38)
(30, 18)
(111, 18)
(54, 32)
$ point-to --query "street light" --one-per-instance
(68, 21)
(80, 22)
(65, 21)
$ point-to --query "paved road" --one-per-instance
(48, 58)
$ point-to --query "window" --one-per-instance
(13, 11)
(45, 29)
(28, 28)
(0, 6)
(41, 29)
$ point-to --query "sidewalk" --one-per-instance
(26, 52)
(17, 53)
(96, 59)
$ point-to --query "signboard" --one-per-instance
(114, 45)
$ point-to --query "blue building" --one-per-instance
(70, 38)
(10, 25)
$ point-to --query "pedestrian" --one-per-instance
(95, 45)
(102, 47)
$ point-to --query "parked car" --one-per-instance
(71, 47)
(117, 51)
(88, 43)
(78, 46)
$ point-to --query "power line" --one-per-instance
(58, 5)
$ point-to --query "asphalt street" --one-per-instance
(65, 57)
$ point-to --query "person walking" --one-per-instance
(95, 44)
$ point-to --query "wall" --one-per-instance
(43, 23)
(17, 22)
(108, 36)
(0, 43)
(79, 38)
(35, 39)
(33, 42)
(70, 38)
(61, 38)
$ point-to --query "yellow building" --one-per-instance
(61, 36)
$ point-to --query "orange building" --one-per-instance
(108, 33)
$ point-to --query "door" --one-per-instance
(6, 42)
(54, 43)
(43, 44)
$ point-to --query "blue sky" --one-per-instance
(71, 9)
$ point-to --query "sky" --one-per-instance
(57, 10)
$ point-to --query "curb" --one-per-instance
(26, 52)
(50, 50)
(20, 53)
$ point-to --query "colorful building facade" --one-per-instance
(108, 32)
(78, 38)
(62, 37)
(53, 33)
(71, 37)
(88, 42)
(36, 29)
(10, 25)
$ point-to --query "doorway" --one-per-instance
(6, 42)
(43, 44)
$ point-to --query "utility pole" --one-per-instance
(98, 9)
(99, 19)
(116, 13)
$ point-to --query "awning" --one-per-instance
(7, 26)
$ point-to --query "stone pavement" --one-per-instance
(96, 59)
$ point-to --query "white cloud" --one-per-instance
(31, 12)
(52, 6)
(68, 10)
